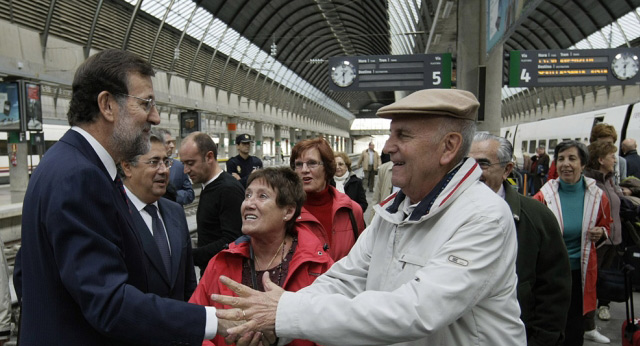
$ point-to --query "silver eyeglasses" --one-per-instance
(155, 163)
(147, 105)
(311, 164)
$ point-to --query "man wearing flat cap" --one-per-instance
(241, 165)
(435, 267)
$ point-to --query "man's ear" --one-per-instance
(507, 170)
(126, 168)
(107, 104)
(451, 144)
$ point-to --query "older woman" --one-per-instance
(346, 181)
(332, 216)
(273, 243)
(602, 160)
(582, 210)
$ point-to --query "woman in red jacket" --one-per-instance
(273, 242)
(332, 216)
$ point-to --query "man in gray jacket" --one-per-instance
(542, 265)
(435, 267)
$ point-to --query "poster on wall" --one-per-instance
(33, 107)
(503, 16)
(189, 122)
(10, 101)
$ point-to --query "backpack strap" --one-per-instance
(354, 225)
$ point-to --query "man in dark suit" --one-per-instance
(218, 217)
(179, 188)
(145, 179)
(80, 273)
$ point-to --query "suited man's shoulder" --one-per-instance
(171, 206)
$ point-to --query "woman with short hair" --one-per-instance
(583, 212)
(347, 182)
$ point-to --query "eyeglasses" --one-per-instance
(486, 164)
(155, 163)
(311, 164)
(147, 105)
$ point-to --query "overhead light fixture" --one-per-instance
(447, 9)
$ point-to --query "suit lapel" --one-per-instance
(172, 227)
(79, 142)
(148, 243)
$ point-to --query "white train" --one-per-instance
(527, 137)
(52, 134)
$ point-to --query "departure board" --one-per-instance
(390, 72)
(534, 68)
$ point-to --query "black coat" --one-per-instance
(354, 189)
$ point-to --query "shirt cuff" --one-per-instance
(211, 328)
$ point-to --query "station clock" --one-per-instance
(343, 74)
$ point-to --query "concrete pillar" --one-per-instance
(257, 126)
(493, 92)
(18, 174)
(292, 138)
(232, 128)
(222, 148)
(472, 57)
(278, 140)
(349, 145)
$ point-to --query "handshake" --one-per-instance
(251, 319)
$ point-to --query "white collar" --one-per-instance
(104, 156)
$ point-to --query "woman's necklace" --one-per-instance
(274, 255)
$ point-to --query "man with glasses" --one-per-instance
(179, 188)
(161, 223)
(80, 273)
(542, 264)
(218, 217)
(241, 165)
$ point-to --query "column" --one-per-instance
(292, 138)
(232, 127)
(278, 149)
(257, 126)
(18, 161)
(222, 148)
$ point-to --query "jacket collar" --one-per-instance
(511, 197)
(445, 191)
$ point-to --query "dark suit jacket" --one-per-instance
(181, 183)
(81, 267)
(182, 282)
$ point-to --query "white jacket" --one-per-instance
(447, 278)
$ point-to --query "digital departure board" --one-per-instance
(531, 68)
(390, 72)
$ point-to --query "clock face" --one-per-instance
(625, 65)
(344, 74)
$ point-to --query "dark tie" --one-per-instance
(120, 186)
(160, 236)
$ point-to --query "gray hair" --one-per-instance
(505, 149)
(465, 127)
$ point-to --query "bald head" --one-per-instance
(628, 145)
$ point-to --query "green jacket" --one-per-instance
(542, 265)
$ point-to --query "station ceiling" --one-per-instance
(297, 34)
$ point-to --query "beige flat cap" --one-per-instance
(446, 102)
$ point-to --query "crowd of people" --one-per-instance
(452, 254)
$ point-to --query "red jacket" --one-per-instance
(309, 261)
(342, 238)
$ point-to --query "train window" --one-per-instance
(542, 142)
(524, 146)
(3, 148)
(532, 147)
(552, 145)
